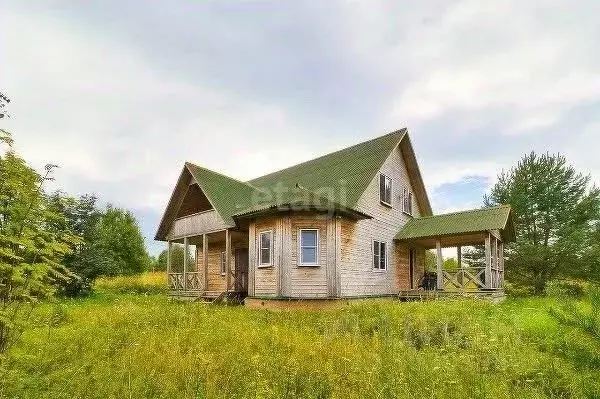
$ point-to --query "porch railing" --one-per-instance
(467, 279)
(471, 279)
(189, 281)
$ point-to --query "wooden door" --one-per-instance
(241, 269)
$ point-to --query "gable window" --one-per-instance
(265, 248)
(223, 264)
(309, 247)
(385, 189)
(407, 201)
(380, 255)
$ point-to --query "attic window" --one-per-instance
(407, 206)
(385, 189)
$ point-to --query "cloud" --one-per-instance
(121, 94)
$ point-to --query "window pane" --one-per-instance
(382, 187)
(265, 256)
(308, 238)
(265, 240)
(383, 256)
(309, 255)
(376, 252)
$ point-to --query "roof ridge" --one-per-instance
(465, 211)
(397, 131)
(223, 175)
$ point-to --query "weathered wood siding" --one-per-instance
(357, 275)
(286, 277)
(266, 278)
(216, 280)
(309, 281)
(403, 270)
(197, 224)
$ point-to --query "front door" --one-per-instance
(241, 269)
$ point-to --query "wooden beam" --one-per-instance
(169, 260)
(488, 262)
(227, 259)
(205, 260)
(186, 254)
(440, 265)
(460, 274)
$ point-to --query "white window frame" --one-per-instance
(378, 243)
(223, 263)
(301, 263)
(407, 199)
(260, 248)
(385, 178)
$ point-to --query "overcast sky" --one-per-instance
(121, 93)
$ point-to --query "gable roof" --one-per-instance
(352, 168)
(227, 195)
(472, 221)
(347, 171)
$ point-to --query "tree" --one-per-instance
(33, 242)
(177, 255)
(118, 233)
(557, 211)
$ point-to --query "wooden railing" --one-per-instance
(464, 278)
(189, 281)
(471, 279)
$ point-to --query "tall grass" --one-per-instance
(114, 346)
(147, 283)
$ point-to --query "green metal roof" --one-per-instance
(349, 170)
(227, 195)
(300, 199)
(477, 220)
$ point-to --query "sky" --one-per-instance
(121, 93)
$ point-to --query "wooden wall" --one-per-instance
(217, 281)
(195, 225)
(286, 278)
(357, 275)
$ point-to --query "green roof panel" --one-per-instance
(477, 220)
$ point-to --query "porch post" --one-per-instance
(227, 259)
(169, 246)
(205, 260)
(185, 262)
(501, 267)
(488, 262)
(460, 274)
(440, 265)
(495, 264)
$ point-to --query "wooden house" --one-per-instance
(354, 223)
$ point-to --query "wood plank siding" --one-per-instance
(358, 277)
(197, 224)
(215, 280)
(286, 277)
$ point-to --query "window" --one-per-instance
(265, 248)
(385, 189)
(309, 247)
(380, 255)
(407, 201)
(223, 264)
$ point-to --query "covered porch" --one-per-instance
(487, 227)
(215, 265)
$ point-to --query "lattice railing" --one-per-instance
(465, 278)
(190, 281)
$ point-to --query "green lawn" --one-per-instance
(116, 345)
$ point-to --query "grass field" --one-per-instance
(122, 345)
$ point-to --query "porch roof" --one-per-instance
(463, 223)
